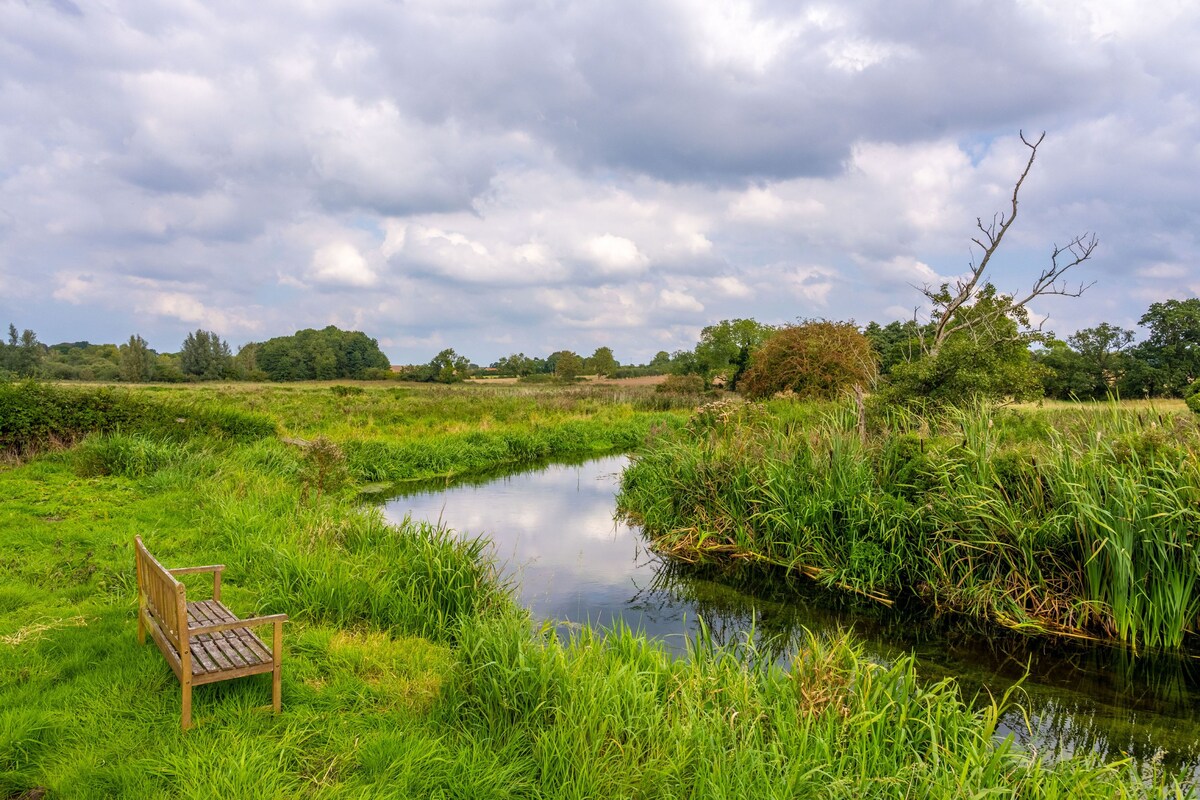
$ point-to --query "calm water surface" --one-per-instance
(554, 530)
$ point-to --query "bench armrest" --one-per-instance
(189, 570)
(215, 569)
(238, 623)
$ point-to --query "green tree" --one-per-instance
(245, 363)
(449, 367)
(23, 354)
(725, 348)
(970, 366)
(602, 362)
(205, 355)
(567, 365)
(814, 359)
(894, 343)
(661, 360)
(137, 360)
(1101, 361)
(327, 354)
(1170, 356)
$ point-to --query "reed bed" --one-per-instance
(1083, 523)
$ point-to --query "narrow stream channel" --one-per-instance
(554, 530)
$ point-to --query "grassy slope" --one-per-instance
(407, 671)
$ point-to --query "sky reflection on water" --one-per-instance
(571, 562)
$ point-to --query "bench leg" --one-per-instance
(187, 705)
(141, 627)
(277, 657)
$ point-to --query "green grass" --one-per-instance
(1070, 521)
(408, 672)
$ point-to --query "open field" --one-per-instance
(408, 672)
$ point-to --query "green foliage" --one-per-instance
(601, 362)
(681, 384)
(969, 368)
(323, 467)
(205, 356)
(1076, 523)
(567, 365)
(1191, 396)
(126, 455)
(816, 359)
(22, 355)
(327, 354)
(35, 416)
(1170, 356)
(407, 670)
(137, 360)
(726, 347)
(894, 343)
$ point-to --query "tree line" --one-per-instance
(326, 354)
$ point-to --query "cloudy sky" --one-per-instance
(530, 175)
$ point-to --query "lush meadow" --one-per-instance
(408, 672)
(1068, 520)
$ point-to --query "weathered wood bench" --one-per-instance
(203, 641)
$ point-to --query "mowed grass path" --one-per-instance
(407, 670)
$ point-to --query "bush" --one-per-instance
(813, 360)
(681, 384)
(1191, 396)
(37, 415)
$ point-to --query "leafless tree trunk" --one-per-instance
(946, 304)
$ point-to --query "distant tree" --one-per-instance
(602, 362)
(449, 367)
(814, 359)
(1101, 358)
(245, 363)
(662, 359)
(516, 365)
(327, 354)
(1170, 356)
(205, 356)
(726, 347)
(23, 354)
(137, 360)
(567, 365)
(894, 343)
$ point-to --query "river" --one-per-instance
(572, 563)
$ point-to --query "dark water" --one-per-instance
(554, 529)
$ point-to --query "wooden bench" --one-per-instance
(202, 641)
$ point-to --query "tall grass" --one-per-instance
(1084, 526)
(408, 672)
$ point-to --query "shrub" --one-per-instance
(817, 359)
(681, 384)
(1191, 396)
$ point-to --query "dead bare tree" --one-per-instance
(946, 317)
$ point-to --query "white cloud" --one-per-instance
(615, 255)
(340, 264)
(671, 300)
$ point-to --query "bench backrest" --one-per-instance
(162, 594)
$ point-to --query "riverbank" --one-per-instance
(408, 670)
(1068, 521)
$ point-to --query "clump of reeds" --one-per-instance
(1083, 527)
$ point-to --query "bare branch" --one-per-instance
(946, 306)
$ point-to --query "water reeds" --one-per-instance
(1082, 525)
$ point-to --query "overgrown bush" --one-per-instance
(817, 359)
(681, 384)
